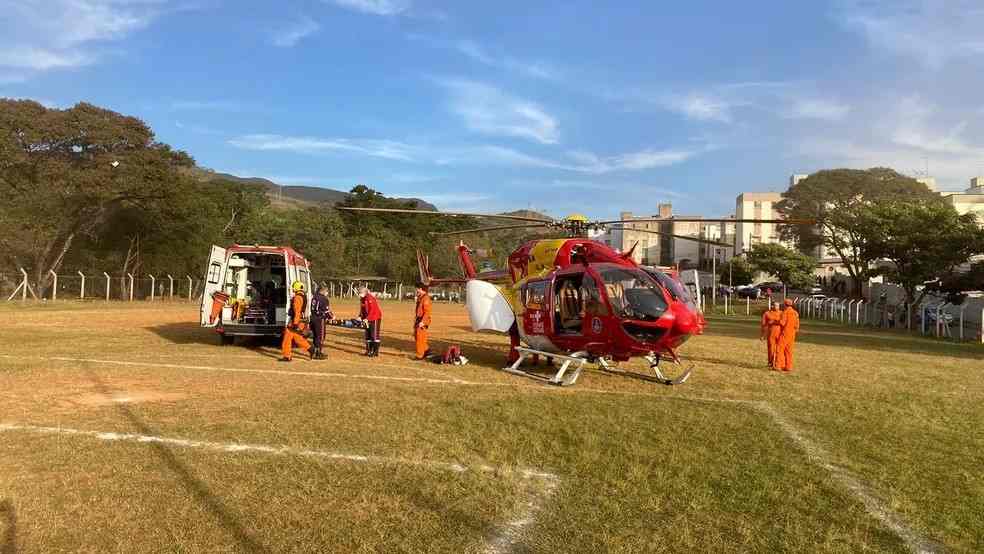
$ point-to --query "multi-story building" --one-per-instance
(756, 205)
(969, 201)
(723, 231)
(652, 248)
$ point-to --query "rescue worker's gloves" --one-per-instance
(298, 286)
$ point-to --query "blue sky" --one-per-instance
(594, 107)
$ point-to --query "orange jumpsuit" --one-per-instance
(770, 333)
(294, 331)
(789, 322)
(423, 318)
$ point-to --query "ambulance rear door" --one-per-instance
(214, 276)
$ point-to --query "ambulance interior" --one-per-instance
(257, 287)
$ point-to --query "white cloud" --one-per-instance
(388, 149)
(375, 7)
(701, 107)
(932, 32)
(56, 34)
(294, 32)
(486, 109)
(538, 70)
(817, 108)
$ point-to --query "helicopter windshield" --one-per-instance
(633, 293)
(676, 288)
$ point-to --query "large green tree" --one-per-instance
(64, 173)
(791, 266)
(737, 271)
(925, 241)
(839, 200)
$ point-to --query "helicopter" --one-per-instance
(575, 299)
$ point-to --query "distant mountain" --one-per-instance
(529, 213)
(295, 195)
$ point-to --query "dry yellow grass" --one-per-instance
(639, 467)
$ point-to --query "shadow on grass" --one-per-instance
(197, 488)
(824, 334)
(8, 544)
(186, 333)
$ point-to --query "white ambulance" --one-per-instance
(248, 290)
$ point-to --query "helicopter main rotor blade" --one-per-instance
(492, 228)
(681, 237)
(705, 220)
(450, 214)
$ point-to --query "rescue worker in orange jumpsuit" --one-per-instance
(372, 318)
(294, 331)
(789, 323)
(771, 332)
(422, 321)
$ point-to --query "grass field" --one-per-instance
(127, 428)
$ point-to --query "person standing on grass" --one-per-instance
(789, 323)
(771, 331)
(294, 331)
(372, 317)
(320, 315)
(422, 321)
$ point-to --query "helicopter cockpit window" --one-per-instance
(633, 293)
(676, 288)
(593, 303)
(535, 295)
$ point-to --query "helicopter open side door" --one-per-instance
(488, 310)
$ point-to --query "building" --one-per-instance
(757, 205)
(796, 178)
(652, 240)
(969, 201)
(718, 231)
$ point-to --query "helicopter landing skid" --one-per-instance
(562, 378)
(654, 360)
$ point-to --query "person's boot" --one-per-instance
(368, 349)
(284, 360)
(375, 349)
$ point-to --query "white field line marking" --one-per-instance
(452, 381)
(509, 535)
(278, 450)
(816, 454)
(854, 485)
(504, 538)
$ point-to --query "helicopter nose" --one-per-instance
(686, 320)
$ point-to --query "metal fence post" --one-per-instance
(171, 279)
(82, 288)
(982, 325)
(748, 305)
(130, 275)
(962, 308)
(54, 285)
(107, 285)
(189, 286)
(24, 292)
(153, 286)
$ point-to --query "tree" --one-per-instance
(925, 241)
(792, 267)
(737, 271)
(63, 173)
(838, 200)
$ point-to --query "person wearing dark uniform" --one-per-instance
(372, 318)
(320, 315)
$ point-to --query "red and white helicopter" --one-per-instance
(575, 299)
